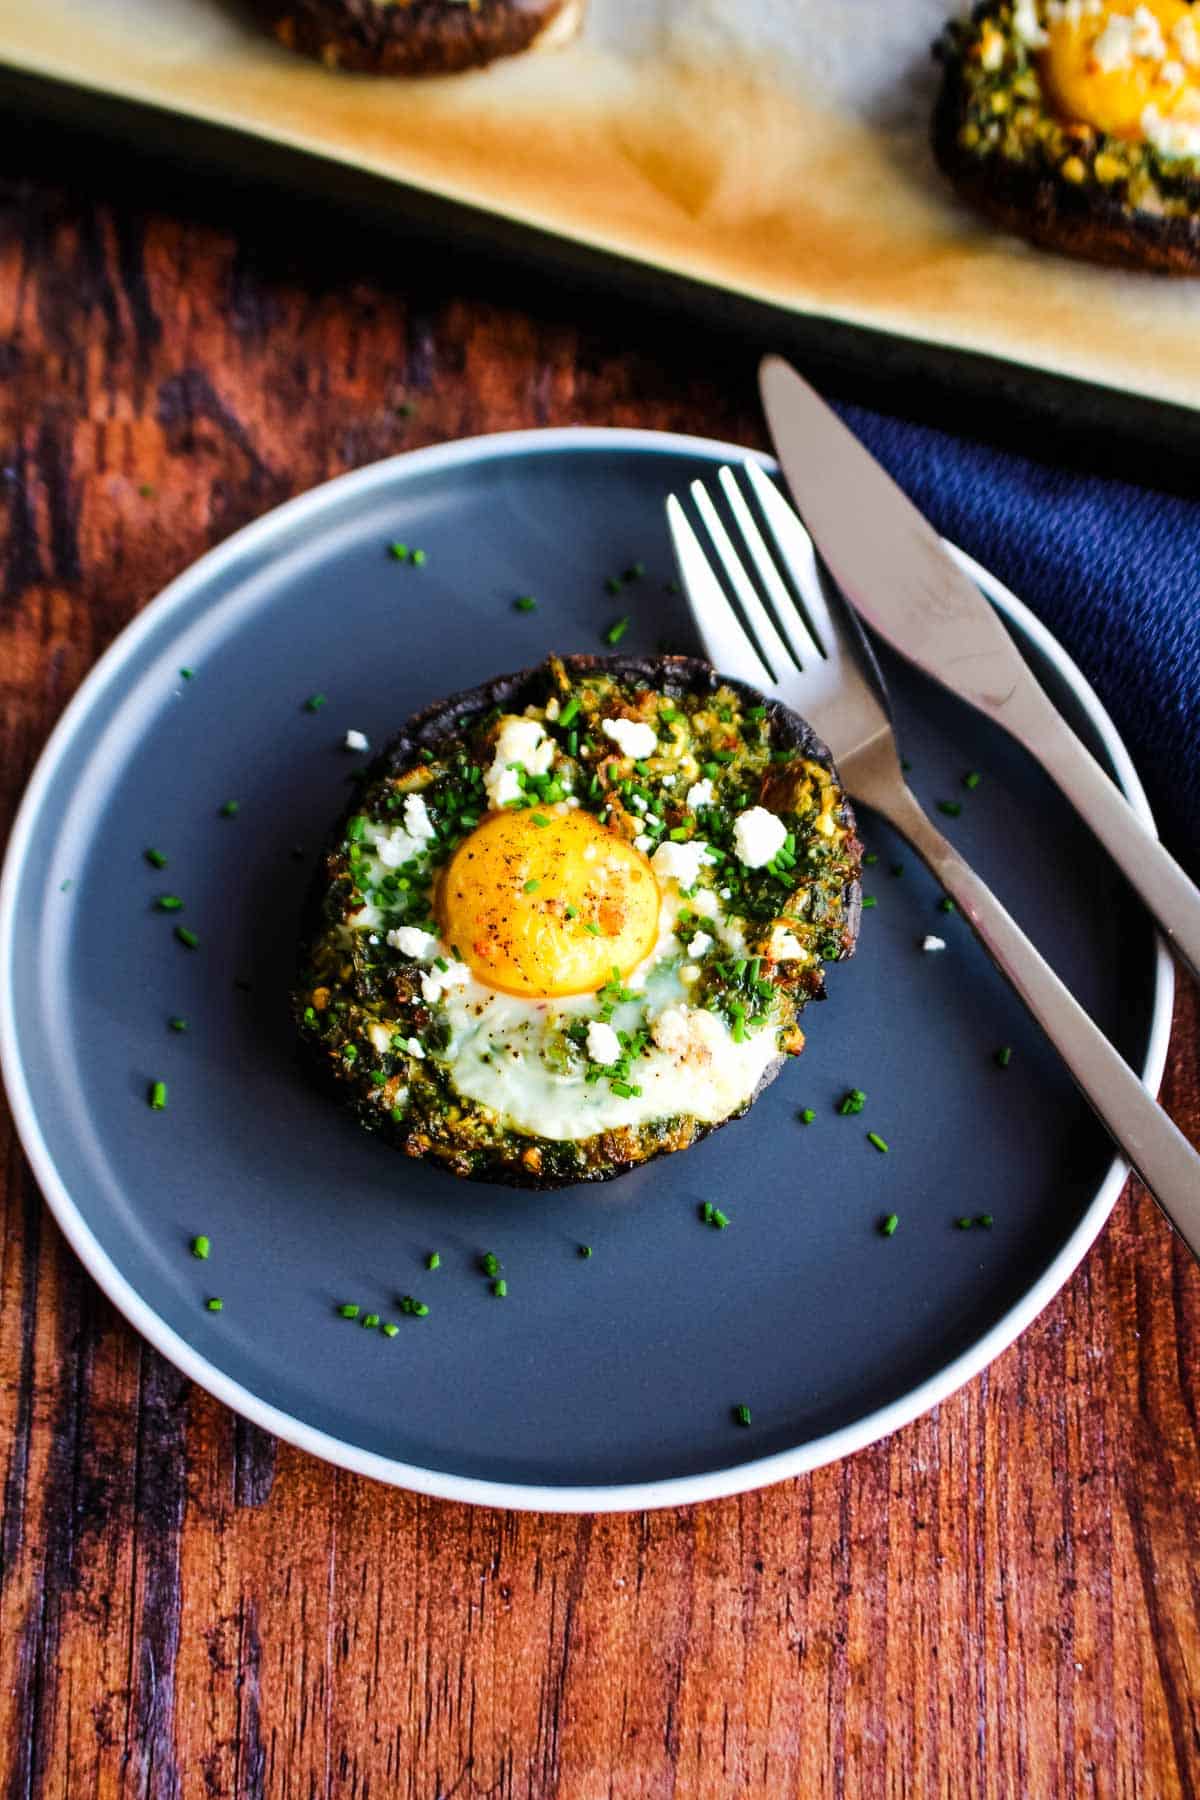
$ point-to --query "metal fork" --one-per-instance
(819, 663)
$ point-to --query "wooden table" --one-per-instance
(1002, 1599)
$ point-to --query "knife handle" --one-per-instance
(1154, 875)
(1156, 1148)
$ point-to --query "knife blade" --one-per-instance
(895, 571)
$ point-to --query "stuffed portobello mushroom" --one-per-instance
(418, 37)
(1077, 124)
(572, 921)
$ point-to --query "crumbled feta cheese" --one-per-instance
(689, 1035)
(700, 943)
(603, 1044)
(637, 803)
(680, 862)
(706, 904)
(416, 1048)
(1028, 26)
(552, 707)
(642, 842)
(356, 740)
(417, 821)
(1113, 49)
(519, 741)
(1147, 35)
(699, 794)
(380, 1036)
(726, 893)
(410, 940)
(786, 947)
(431, 989)
(630, 737)
(668, 781)
(929, 942)
(1185, 41)
(757, 836)
(394, 848)
(1174, 135)
(689, 973)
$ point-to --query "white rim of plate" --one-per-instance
(684, 1490)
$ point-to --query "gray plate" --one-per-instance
(599, 1383)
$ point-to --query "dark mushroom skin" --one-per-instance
(344, 984)
(416, 37)
(1060, 183)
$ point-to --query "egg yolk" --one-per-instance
(1095, 71)
(547, 909)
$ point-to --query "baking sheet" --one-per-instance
(776, 148)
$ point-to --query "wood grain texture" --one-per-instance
(1003, 1599)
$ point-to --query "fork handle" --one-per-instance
(1153, 1144)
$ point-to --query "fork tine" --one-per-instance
(803, 645)
(798, 557)
(767, 640)
(725, 642)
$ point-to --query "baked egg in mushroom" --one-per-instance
(574, 916)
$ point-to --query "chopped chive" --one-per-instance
(873, 1137)
(314, 703)
(617, 630)
(169, 903)
(571, 912)
(720, 1220)
(613, 584)
(201, 1247)
(215, 1304)
(905, 764)
(585, 1250)
(887, 1227)
(742, 1415)
(807, 1116)
(623, 1089)
(588, 925)
(490, 1264)
(526, 603)
(540, 820)
(635, 571)
(946, 904)
(869, 900)
(500, 1289)
(155, 858)
(349, 1311)
(187, 674)
(972, 779)
(964, 1224)
(897, 868)
(951, 808)
(398, 552)
(187, 937)
(230, 809)
(416, 1309)
(1004, 1056)
(531, 887)
(158, 1096)
(419, 559)
(433, 1260)
(178, 1024)
(871, 858)
(852, 1101)
(986, 1220)
(390, 1329)
(370, 1321)
(569, 712)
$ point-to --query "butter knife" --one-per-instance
(893, 568)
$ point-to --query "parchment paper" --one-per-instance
(775, 147)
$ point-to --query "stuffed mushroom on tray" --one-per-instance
(1077, 124)
(573, 917)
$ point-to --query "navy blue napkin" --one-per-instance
(1112, 569)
